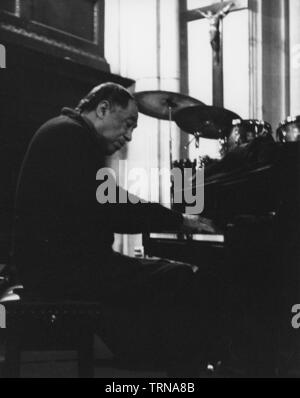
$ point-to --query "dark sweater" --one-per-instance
(62, 236)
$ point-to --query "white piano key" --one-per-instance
(194, 237)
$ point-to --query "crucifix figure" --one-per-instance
(214, 26)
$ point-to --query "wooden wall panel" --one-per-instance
(8, 5)
(65, 28)
(74, 17)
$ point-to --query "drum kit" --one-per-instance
(210, 122)
(289, 130)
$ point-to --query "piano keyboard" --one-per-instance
(194, 237)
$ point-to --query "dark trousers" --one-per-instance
(166, 307)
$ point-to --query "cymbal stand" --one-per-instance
(196, 138)
(171, 153)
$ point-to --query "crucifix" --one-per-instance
(215, 15)
(215, 11)
(214, 19)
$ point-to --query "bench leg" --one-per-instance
(86, 355)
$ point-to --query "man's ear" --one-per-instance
(102, 109)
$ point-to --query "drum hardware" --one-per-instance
(223, 143)
(196, 139)
(289, 130)
(163, 105)
(204, 161)
(245, 131)
(185, 164)
(205, 121)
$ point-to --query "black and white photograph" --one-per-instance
(150, 191)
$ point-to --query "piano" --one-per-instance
(257, 205)
(241, 194)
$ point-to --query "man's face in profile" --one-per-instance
(118, 125)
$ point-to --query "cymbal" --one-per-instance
(158, 103)
(207, 121)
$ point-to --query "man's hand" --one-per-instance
(196, 224)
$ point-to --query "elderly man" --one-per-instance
(63, 237)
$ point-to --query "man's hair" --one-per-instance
(114, 93)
